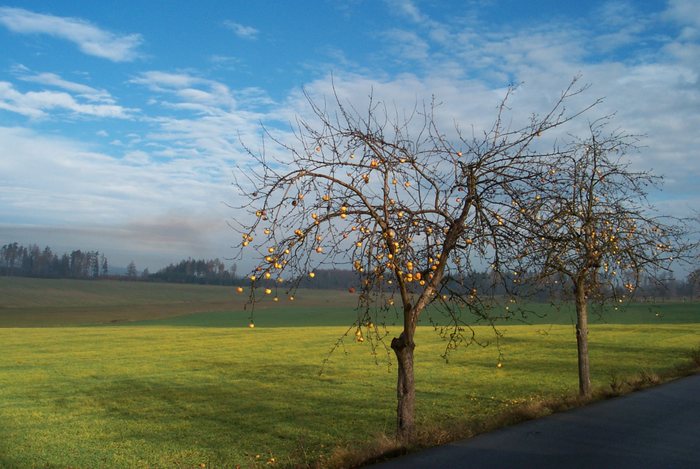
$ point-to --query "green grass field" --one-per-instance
(161, 393)
(28, 302)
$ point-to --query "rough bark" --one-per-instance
(403, 346)
(584, 370)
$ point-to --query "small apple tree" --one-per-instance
(415, 214)
(589, 223)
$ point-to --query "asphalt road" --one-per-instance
(654, 428)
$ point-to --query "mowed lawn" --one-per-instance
(162, 395)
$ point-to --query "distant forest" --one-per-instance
(32, 261)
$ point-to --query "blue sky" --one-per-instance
(121, 122)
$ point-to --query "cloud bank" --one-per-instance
(168, 140)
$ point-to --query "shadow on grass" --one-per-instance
(211, 418)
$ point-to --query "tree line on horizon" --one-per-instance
(32, 261)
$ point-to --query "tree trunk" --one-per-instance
(584, 370)
(406, 387)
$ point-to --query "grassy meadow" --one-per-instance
(26, 302)
(179, 381)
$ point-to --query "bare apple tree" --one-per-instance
(415, 213)
(589, 223)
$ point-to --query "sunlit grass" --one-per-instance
(180, 397)
(157, 394)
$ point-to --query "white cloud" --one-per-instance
(84, 91)
(685, 12)
(37, 104)
(407, 8)
(407, 45)
(163, 81)
(648, 79)
(89, 184)
(132, 203)
(203, 118)
(90, 39)
(198, 94)
(242, 31)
